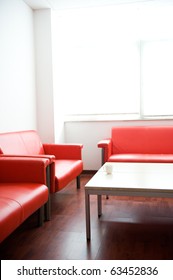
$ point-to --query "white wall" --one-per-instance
(17, 68)
(44, 74)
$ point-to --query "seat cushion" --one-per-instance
(10, 216)
(141, 158)
(66, 171)
(30, 196)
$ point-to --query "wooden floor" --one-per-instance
(130, 228)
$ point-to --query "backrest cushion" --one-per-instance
(142, 139)
(21, 143)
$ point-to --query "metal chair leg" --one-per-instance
(41, 216)
(78, 182)
(48, 204)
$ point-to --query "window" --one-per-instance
(157, 82)
(113, 60)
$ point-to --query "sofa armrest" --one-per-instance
(23, 169)
(106, 146)
(64, 151)
(51, 158)
(49, 170)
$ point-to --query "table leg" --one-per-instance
(99, 205)
(87, 210)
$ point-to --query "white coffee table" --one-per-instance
(129, 179)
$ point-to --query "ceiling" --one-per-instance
(62, 4)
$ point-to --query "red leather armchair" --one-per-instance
(65, 160)
(138, 144)
(23, 191)
(68, 163)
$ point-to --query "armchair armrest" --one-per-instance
(23, 169)
(64, 151)
(106, 146)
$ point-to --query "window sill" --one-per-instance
(113, 117)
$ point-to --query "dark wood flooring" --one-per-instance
(130, 228)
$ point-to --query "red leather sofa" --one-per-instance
(23, 191)
(138, 144)
(65, 160)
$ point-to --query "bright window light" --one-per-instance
(157, 82)
(113, 60)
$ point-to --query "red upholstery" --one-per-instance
(28, 143)
(139, 144)
(30, 196)
(23, 190)
(66, 171)
(68, 162)
(10, 217)
(21, 143)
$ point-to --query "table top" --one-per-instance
(154, 177)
